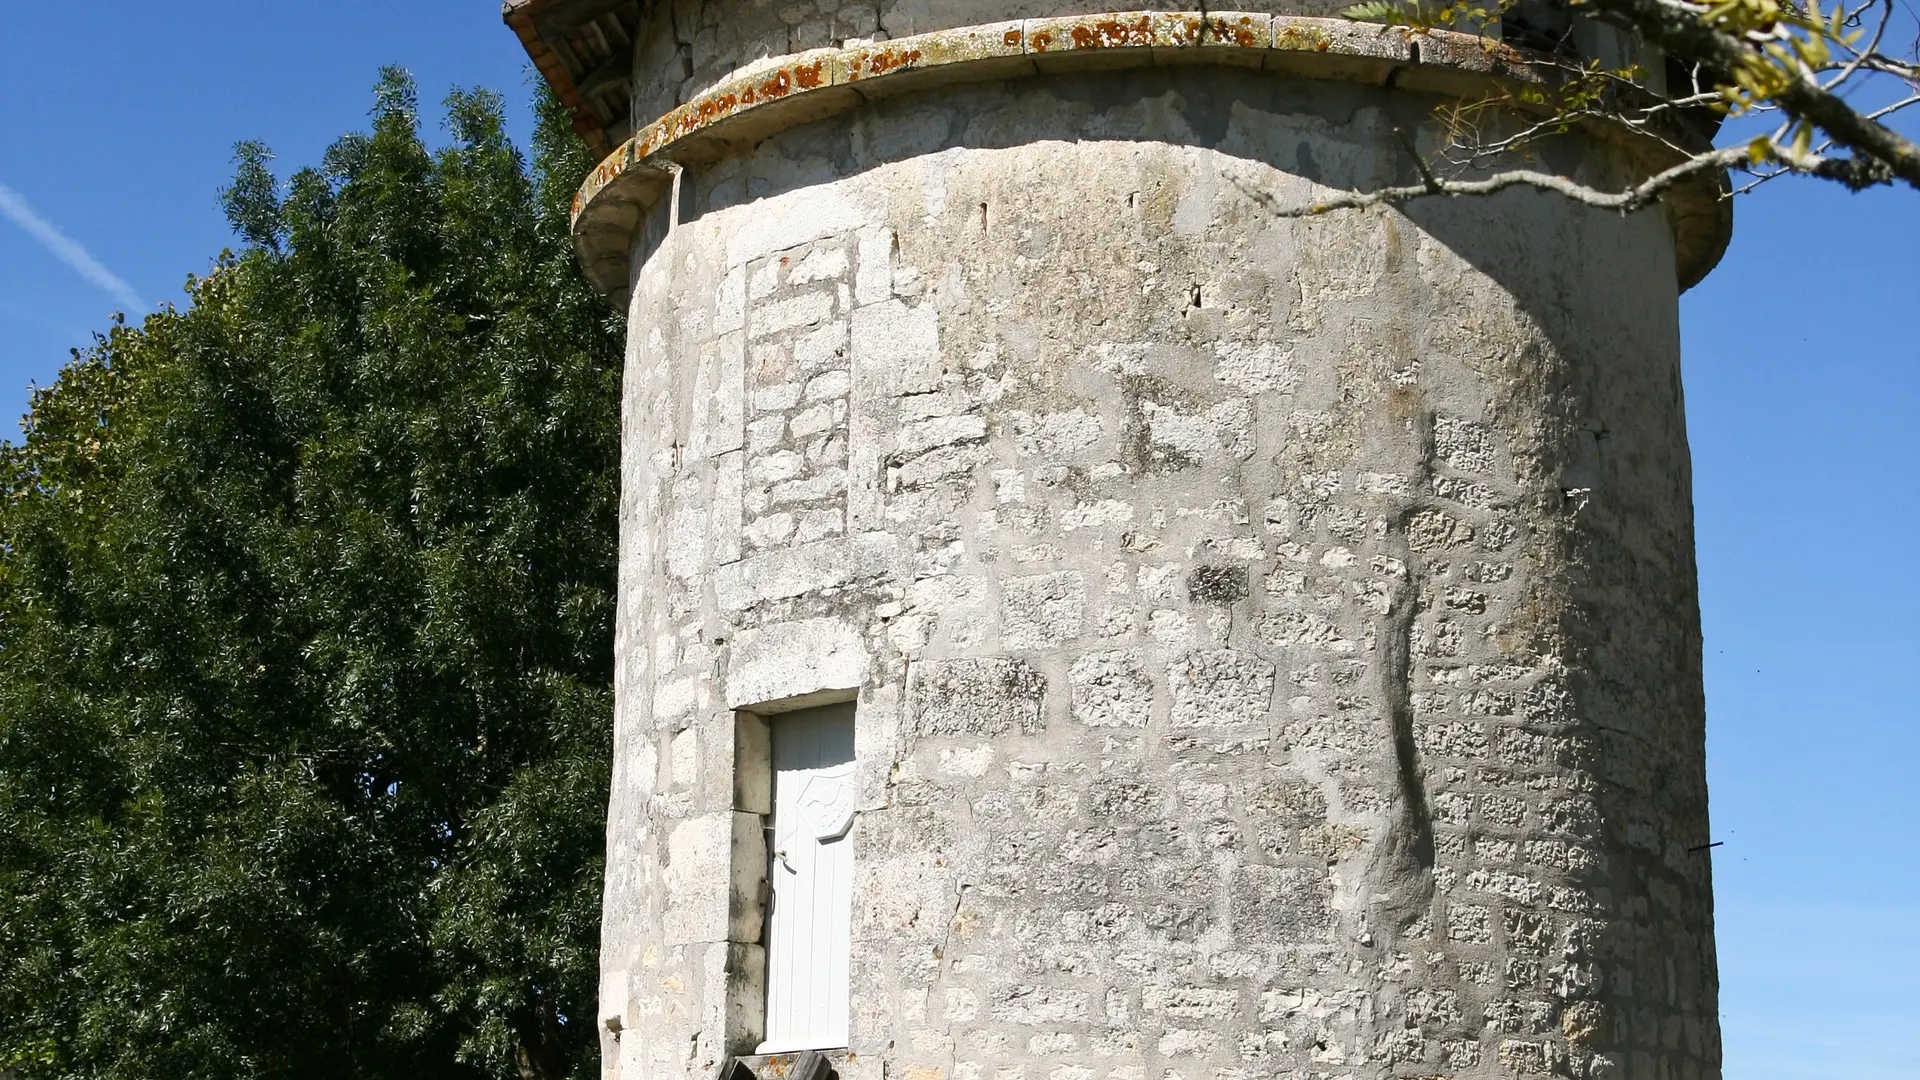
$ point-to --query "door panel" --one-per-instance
(809, 937)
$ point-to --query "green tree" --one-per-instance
(306, 601)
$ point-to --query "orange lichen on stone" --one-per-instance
(1112, 33)
(1302, 38)
(1218, 33)
(883, 62)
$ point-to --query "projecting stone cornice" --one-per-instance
(787, 91)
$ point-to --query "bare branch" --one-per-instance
(1896, 68)
(1433, 184)
(1880, 32)
(1888, 110)
(1634, 198)
(1691, 101)
(1853, 16)
(1870, 52)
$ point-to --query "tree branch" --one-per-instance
(1634, 198)
(1680, 30)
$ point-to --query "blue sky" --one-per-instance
(117, 120)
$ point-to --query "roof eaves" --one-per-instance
(519, 15)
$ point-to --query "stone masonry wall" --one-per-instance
(1274, 640)
(694, 44)
(691, 45)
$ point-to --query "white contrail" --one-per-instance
(68, 250)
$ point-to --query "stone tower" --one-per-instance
(1079, 623)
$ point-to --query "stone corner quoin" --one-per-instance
(1273, 642)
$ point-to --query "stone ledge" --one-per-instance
(822, 82)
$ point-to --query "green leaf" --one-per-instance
(1375, 11)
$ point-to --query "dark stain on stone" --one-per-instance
(1217, 584)
(1138, 450)
(1304, 164)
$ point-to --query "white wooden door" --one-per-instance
(809, 936)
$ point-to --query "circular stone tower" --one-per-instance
(1079, 622)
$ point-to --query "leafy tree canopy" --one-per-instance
(305, 638)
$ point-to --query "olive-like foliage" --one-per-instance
(306, 597)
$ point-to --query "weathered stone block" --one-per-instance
(1042, 610)
(897, 346)
(1221, 688)
(715, 865)
(1041, 1005)
(1111, 688)
(813, 567)
(985, 696)
(792, 664)
(1275, 904)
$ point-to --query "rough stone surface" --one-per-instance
(993, 696)
(1276, 640)
(706, 42)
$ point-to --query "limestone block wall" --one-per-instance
(1274, 640)
(704, 42)
(691, 45)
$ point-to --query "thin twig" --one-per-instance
(1432, 182)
